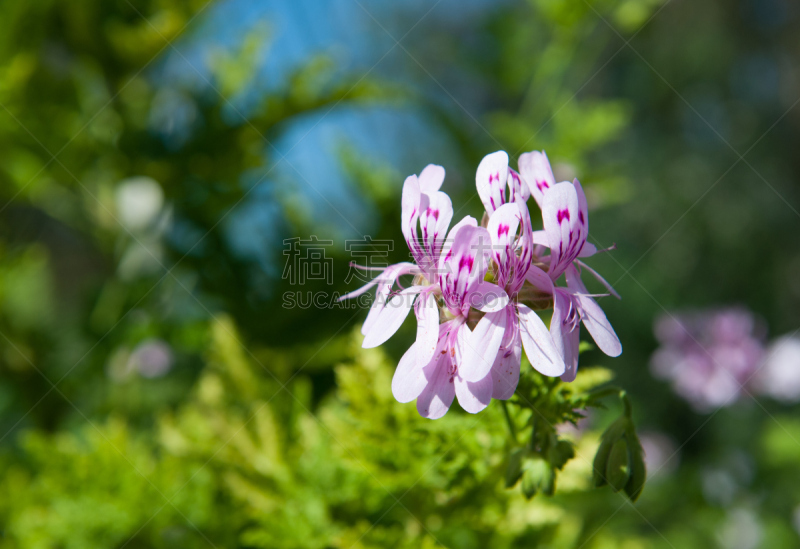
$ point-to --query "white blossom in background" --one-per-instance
(151, 358)
(796, 519)
(779, 376)
(143, 216)
(741, 530)
(139, 201)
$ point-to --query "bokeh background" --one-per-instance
(155, 156)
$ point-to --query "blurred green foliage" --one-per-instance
(273, 428)
(243, 460)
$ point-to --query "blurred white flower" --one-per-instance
(139, 201)
(779, 377)
(742, 530)
(151, 358)
(719, 486)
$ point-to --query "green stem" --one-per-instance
(532, 443)
(626, 403)
(613, 390)
(511, 428)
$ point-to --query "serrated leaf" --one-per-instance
(560, 453)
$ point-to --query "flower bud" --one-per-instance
(638, 472)
(610, 436)
(619, 461)
(618, 466)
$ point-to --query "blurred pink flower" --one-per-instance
(708, 355)
(151, 358)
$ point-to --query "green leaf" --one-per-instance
(529, 484)
(548, 481)
(560, 453)
(514, 468)
(537, 476)
(584, 346)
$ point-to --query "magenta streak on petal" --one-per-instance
(515, 175)
(580, 218)
(562, 215)
(436, 215)
(541, 185)
(502, 229)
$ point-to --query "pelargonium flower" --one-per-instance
(537, 173)
(462, 359)
(423, 205)
(512, 243)
(450, 290)
(497, 183)
(565, 216)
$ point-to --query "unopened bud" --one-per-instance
(610, 436)
(618, 466)
(638, 472)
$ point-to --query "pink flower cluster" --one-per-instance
(476, 287)
(709, 356)
(714, 356)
